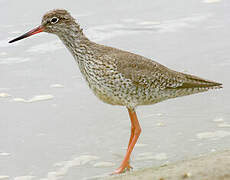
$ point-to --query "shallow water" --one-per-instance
(53, 127)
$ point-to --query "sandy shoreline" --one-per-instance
(213, 166)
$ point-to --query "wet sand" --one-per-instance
(214, 166)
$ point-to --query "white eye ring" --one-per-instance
(54, 20)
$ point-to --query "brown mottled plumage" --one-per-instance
(119, 77)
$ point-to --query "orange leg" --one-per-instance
(132, 128)
(135, 133)
(131, 137)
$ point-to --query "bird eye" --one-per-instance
(54, 20)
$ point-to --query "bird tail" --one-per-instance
(192, 81)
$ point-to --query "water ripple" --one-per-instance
(13, 60)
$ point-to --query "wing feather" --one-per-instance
(146, 72)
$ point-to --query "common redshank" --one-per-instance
(119, 77)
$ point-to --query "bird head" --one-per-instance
(57, 21)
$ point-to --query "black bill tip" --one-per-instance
(18, 38)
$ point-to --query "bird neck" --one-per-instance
(75, 40)
(79, 46)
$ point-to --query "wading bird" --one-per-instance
(119, 77)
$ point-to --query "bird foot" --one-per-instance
(122, 169)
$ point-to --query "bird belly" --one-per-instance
(114, 90)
